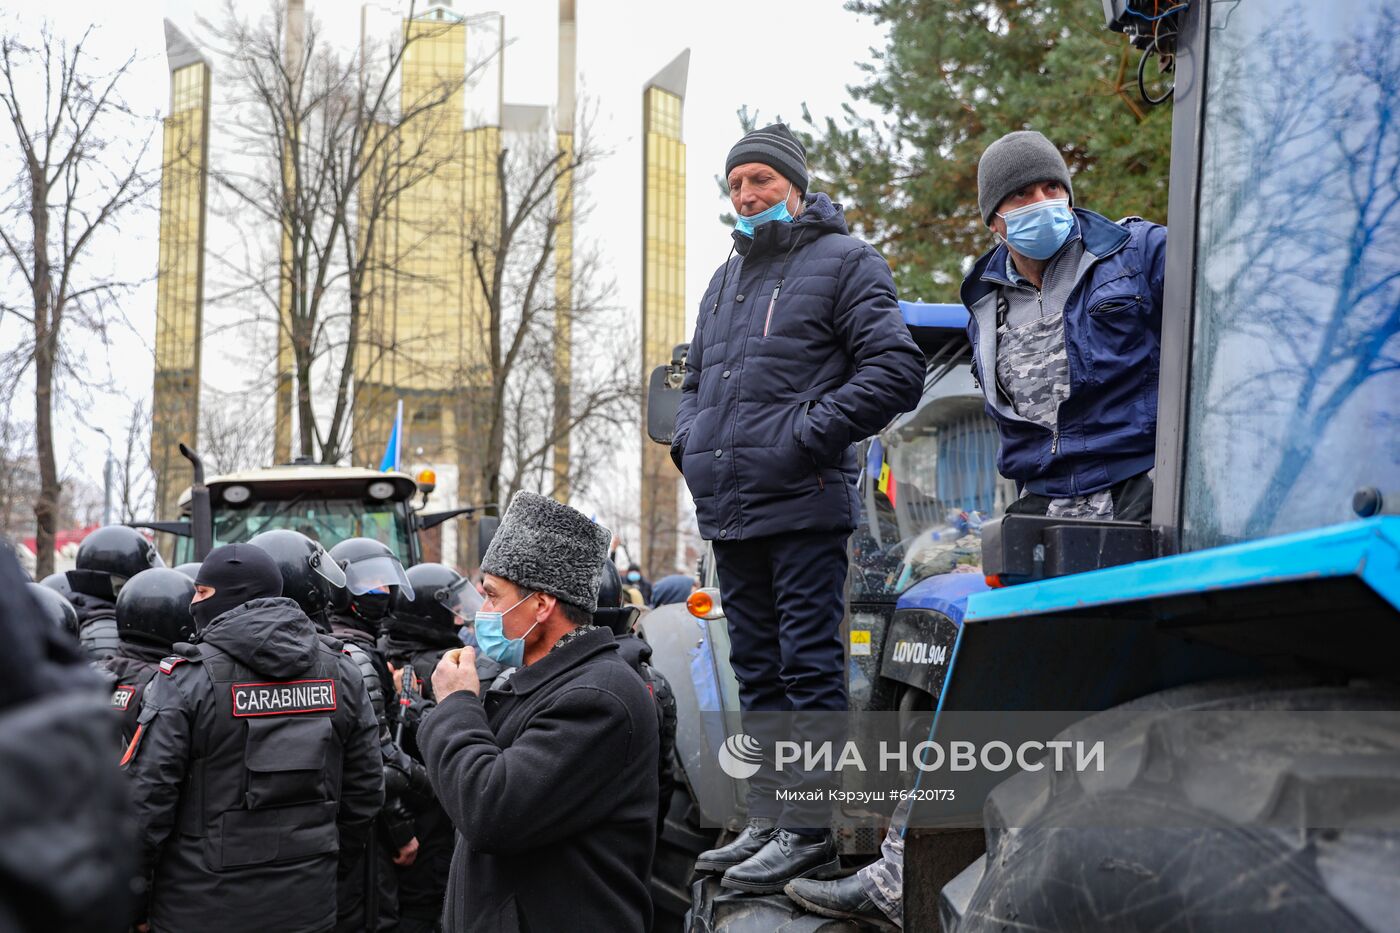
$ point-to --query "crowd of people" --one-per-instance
(307, 737)
(318, 740)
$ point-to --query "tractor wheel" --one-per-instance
(1170, 836)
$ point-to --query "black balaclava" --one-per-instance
(238, 573)
(373, 607)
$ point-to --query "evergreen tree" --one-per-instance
(958, 74)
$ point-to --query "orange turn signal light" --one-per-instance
(994, 581)
(700, 604)
(704, 604)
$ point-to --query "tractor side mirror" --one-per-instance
(664, 396)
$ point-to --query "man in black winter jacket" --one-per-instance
(255, 764)
(550, 775)
(799, 352)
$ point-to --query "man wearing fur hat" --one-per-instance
(799, 352)
(1065, 324)
(550, 776)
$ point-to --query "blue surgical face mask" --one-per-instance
(778, 212)
(491, 637)
(634, 577)
(1039, 230)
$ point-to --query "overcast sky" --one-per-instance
(772, 55)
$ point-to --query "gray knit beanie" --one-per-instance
(775, 146)
(546, 547)
(1014, 161)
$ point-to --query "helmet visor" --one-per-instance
(461, 599)
(376, 573)
(326, 567)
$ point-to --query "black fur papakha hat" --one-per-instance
(546, 547)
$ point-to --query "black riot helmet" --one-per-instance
(611, 613)
(610, 589)
(58, 582)
(117, 551)
(153, 608)
(190, 570)
(371, 574)
(57, 609)
(442, 598)
(310, 576)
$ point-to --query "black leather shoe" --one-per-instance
(842, 899)
(786, 856)
(754, 837)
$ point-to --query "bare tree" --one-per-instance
(73, 179)
(513, 254)
(328, 145)
(234, 433)
(133, 485)
(19, 478)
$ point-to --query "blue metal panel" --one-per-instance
(918, 314)
(1367, 549)
(946, 593)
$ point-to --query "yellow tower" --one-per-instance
(663, 293)
(180, 274)
(426, 337)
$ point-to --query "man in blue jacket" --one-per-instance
(799, 352)
(1065, 324)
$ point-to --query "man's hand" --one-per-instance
(408, 853)
(456, 671)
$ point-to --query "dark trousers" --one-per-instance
(783, 598)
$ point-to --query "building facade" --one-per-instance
(663, 295)
(180, 273)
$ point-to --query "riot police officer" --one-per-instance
(255, 764)
(373, 575)
(612, 613)
(310, 576)
(65, 837)
(153, 614)
(57, 609)
(107, 558)
(421, 629)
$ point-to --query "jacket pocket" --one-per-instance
(1116, 304)
(286, 760)
(242, 838)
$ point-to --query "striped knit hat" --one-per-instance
(776, 146)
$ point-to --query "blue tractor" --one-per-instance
(1240, 651)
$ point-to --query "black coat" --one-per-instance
(252, 776)
(781, 383)
(551, 783)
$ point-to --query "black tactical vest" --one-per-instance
(374, 686)
(260, 788)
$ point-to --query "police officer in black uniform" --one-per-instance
(421, 629)
(65, 838)
(373, 575)
(153, 614)
(255, 765)
(622, 619)
(107, 558)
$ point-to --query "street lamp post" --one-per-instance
(107, 469)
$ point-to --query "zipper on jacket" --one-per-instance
(771, 302)
(1055, 442)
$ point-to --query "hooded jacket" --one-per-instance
(255, 767)
(799, 352)
(1107, 427)
(550, 780)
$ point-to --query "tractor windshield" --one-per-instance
(1294, 396)
(328, 521)
(930, 481)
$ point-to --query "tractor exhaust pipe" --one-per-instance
(201, 515)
